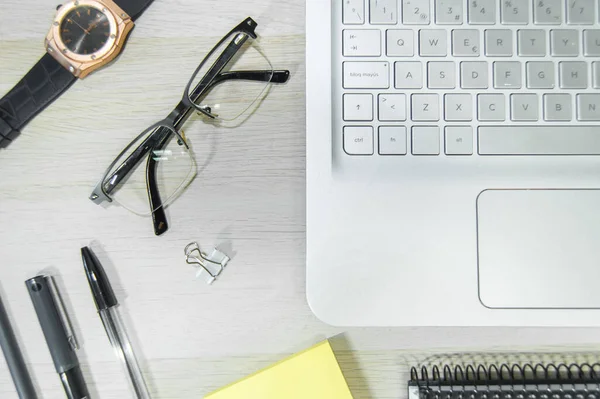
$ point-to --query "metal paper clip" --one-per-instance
(209, 266)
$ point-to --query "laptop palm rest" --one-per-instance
(539, 248)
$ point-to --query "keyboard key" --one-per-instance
(524, 107)
(539, 140)
(400, 43)
(482, 12)
(392, 140)
(458, 107)
(474, 75)
(596, 73)
(366, 75)
(459, 140)
(384, 12)
(433, 43)
(580, 12)
(358, 140)
(426, 140)
(591, 43)
(507, 75)
(540, 75)
(498, 43)
(564, 42)
(557, 107)
(425, 107)
(514, 12)
(354, 12)
(491, 107)
(465, 43)
(392, 107)
(441, 75)
(358, 107)
(416, 12)
(531, 42)
(362, 43)
(573, 75)
(449, 12)
(548, 12)
(408, 75)
(588, 107)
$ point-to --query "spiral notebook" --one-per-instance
(526, 381)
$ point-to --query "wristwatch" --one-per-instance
(85, 36)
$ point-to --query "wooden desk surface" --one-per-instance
(249, 199)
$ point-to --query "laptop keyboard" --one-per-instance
(469, 78)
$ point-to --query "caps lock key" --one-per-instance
(366, 75)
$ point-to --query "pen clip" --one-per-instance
(62, 313)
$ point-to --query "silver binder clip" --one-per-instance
(209, 266)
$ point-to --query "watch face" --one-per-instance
(85, 30)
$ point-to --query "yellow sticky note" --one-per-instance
(312, 374)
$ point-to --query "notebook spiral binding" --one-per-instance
(542, 381)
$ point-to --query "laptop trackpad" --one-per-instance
(539, 248)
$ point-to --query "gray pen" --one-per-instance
(106, 303)
(14, 358)
(58, 333)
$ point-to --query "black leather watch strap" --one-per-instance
(134, 8)
(42, 84)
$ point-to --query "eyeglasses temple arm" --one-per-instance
(256, 76)
(241, 32)
(159, 217)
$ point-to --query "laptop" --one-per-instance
(453, 162)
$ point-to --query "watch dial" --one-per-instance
(85, 30)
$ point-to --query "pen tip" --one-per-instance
(102, 291)
(85, 255)
(89, 261)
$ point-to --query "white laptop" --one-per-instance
(453, 162)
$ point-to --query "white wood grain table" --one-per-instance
(249, 198)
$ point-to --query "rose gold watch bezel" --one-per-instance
(82, 65)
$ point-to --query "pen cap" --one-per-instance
(55, 332)
(104, 296)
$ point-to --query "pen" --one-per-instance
(107, 303)
(59, 334)
(14, 358)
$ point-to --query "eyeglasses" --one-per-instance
(226, 84)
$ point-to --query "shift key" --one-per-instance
(366, 75)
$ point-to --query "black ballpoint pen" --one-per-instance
(58, 333)
(107, 303)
